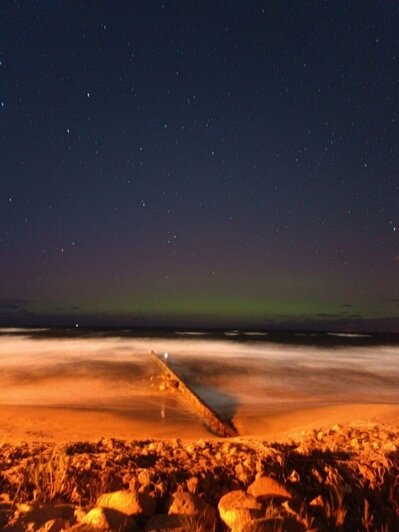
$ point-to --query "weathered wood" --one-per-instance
(209, 417)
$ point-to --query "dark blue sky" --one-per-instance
(200, 163)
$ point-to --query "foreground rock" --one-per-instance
(192, 506)
(266, 488)
(325, 479)
(130, 503)
(237, 507)
(109, 519)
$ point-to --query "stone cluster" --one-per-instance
(335, 478)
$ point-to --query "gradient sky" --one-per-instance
(200, 163)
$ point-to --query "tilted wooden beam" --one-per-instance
(209, 417)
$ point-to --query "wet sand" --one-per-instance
(60, 425)
(36, 423)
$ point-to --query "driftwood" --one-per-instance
(209, 417)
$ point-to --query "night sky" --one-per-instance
(229, 163)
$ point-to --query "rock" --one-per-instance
(108, 519)
(144, 478)
(241, 473)
(237, 507)
(79, 514)
(128, 502)
(270, 525)
(267, 487)
(166, 523)
(389, 446)
(96, 518)
(188, 504)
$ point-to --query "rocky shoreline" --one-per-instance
(340, 478)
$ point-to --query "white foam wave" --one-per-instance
(21, 330)
(349, 335)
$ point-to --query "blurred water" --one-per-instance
(111, 371)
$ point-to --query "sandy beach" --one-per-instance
(60, 425)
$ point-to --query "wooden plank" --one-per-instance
(209, 417)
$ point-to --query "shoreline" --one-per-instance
(64, 424)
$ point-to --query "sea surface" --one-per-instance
(112, 369)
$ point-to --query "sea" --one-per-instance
(230, 369)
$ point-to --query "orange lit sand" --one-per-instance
(21, 423)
